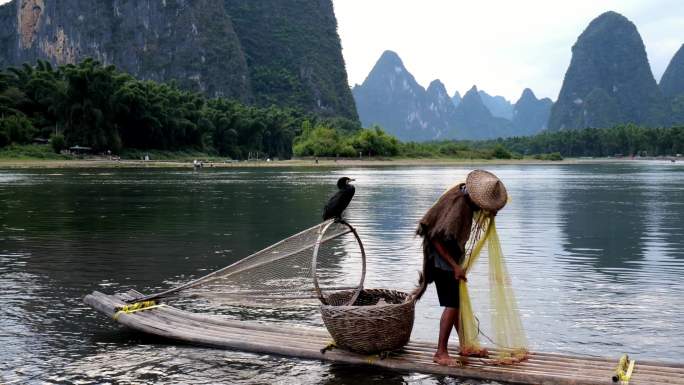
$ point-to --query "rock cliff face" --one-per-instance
(294, 54)
(672, 85)
(442, 108)
(474, 120)
(391, 98)
(530, 114)
(609, 80)
(497, 105)
(193, 42)
(456, 99)
(8, 28)
(672, 82)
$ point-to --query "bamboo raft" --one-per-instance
(309, 343)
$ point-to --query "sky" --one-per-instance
(500, 46)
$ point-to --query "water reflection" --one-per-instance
(596, 255)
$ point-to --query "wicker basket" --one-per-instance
(364, 320)
(379, 320)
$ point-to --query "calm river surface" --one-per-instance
(596, 254)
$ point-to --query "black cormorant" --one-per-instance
(338, 202)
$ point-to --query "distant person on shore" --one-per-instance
(445, 229)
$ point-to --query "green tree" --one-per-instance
(57, 143)
(322, 141)
(16, 129)
(374, 141)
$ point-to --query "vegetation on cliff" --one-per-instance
(294, 54)
(100, 107)
(609, 80)
(267, 52)
(627, 140)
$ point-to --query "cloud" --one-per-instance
(502, 46)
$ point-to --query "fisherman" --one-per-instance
(446, 228)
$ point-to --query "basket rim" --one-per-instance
(408, 300)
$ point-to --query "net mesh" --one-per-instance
(508, 334)
(284, 271)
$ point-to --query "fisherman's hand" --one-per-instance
(459, 274)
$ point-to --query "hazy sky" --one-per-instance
(501, 46)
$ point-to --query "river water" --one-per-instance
(595, 252)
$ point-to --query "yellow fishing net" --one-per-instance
(508, 333)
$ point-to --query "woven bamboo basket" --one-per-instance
(379, 320)
(366, 320)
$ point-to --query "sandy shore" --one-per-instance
(103, 163)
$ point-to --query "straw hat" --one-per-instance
(486, 190)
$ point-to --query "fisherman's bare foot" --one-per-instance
(446, 360)
(479, 353)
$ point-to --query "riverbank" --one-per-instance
(331, 163)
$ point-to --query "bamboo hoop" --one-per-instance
(314, 263)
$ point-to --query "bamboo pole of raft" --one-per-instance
(311, 331)
(576, 363)
(164, 315)
(240, 333)
(278, 338)
(183, 317)
(306, 342)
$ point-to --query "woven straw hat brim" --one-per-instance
(486, 190)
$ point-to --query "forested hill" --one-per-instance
(609, 80)
(259, 52)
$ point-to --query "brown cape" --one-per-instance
(449, 220)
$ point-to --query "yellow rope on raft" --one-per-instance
(135, 307)
(624, 370)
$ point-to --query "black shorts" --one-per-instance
(447, 288)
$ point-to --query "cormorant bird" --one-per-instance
(338, 202)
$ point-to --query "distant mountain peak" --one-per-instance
(497, 105)
(437, 91)
(530, 115)
(390, 58)
(672, 82)
(456, 99)
(391, 97)
(472, 104)
(611, 16)
(436, 86)
(528, 93)
(388, 65)
(609, 63)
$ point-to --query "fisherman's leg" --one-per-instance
(449, 316)
(447, 292)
